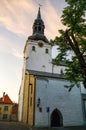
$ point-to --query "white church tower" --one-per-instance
(43, 99)
(37, 50)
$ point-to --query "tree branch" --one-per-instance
(69, 40)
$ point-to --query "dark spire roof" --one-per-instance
(38, 29)
(39, 14)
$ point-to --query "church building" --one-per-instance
(43, 99)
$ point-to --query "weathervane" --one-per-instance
(39, 5)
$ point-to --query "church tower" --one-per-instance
(37, 59)
(37, 50)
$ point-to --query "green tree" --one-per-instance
(73, 39)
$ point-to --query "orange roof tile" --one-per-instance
(0, 99)
(5, 100)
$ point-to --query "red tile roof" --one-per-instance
(5, 99)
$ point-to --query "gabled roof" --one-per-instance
(5, 99)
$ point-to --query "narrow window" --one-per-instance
(31, 88)
(40, 109)
(61, 71)
(31, 101)
(5, 108)
(46, 51)
(39, 28)
(35, 28)
(33, 48)
(5, 116)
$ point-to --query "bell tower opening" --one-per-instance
(38, 26)
(38, 29)
(56, 118)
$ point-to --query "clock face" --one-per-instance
(40, 44)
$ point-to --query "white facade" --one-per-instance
(38, 59)
(21, 93)
(50, 90)
(54, 95)
(20, 104)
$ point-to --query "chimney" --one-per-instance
(3, 96)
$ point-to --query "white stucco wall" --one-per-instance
(51, 91)
(53, 94)
(58, 69)
(21, 93)
(20, 104)
(38, 60)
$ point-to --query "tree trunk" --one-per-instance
(75, 47)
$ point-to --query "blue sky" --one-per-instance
(16, 20)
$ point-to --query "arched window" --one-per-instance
(46, 51)
(33, 48)
(39, 28)
(35, 28)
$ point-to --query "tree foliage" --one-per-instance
(73, 39)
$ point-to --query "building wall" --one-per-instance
(20, 102)
(5, 114)
(21, 93)
(29, 96)
(35, 60)
(54, 95)
(14, 115)
(31, 108)
(26, 99)
(58, 69)
(39, 60)
(50, 91)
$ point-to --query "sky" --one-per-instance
(16, 20)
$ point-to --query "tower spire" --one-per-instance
(39, 14)
(38, 28)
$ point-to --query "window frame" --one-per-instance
(5, 108)
(46, 51)
(33, 48)
(5, 116)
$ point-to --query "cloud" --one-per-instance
(1, 38)
(52, 20)
(5, 46)
(15, 15)
(11, 45)
(18, 17)
(17, 53)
